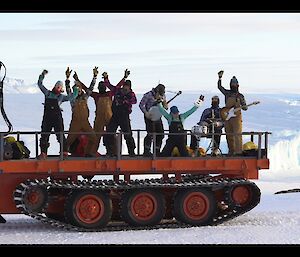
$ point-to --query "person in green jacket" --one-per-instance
(175, 121)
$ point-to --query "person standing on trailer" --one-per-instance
(233, 98)
(211, 116)
(52, 117)
(150, 99)
(103, 113)
(124, 98)
(80, 115)
(175, 121)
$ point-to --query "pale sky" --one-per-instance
(184, 51)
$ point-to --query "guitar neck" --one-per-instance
(247, 105)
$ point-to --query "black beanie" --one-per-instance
(128, 83)
(234, 81)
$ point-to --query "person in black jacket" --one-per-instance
(124, 98)
(211, 116)
(52, 117)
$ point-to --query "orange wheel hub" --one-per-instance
(35, 198)
(196, 205)
(89, 209)
(143, 206)
(241, 195)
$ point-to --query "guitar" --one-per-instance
(228, 113)
(155, 112)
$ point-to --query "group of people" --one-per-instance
(113, 109)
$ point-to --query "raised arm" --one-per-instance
(40, 82)
(197, 104)
(87, 90)
(112, 88)
(164, 112)
(72, 96)
(220, 87)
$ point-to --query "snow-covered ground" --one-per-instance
(276, 220)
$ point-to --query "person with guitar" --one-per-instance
(233, 98)
(150, 99)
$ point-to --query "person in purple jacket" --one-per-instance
(150, 99)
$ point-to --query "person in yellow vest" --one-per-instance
(233, 98)
(80, 115)
(103, 113)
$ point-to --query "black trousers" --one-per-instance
(175, 141)
(152, 127)
(121, 119)
(52, 119)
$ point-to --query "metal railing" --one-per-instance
(260, 137)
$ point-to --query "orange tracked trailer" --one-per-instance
(75, 194)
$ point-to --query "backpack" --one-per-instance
(19, 150)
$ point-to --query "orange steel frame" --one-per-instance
(13, 172)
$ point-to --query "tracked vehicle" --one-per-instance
(125, 192)
(75, 193)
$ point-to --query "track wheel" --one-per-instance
(88, 209)
(194, 206)
(240, 195)
(35, 198)
(142, 207)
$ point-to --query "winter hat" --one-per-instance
(215, 101)
(101, 87)
(174, 109)
(160, 89)
(234, 81)
(59, 83)
(215, 98)
(128, 83)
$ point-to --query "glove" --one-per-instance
(148, 115)
(75, 76)
(68, 72)
(126, 73)
(199, 102)
(220, 73)
(95, 72)
(165, 104)
(44, 72)
(104, 75)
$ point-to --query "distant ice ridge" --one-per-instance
(13, 86)
(284, 157)
(291, 102)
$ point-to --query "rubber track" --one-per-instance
(188, 181)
